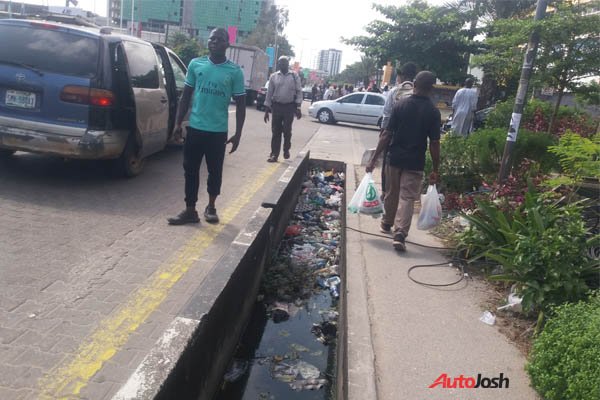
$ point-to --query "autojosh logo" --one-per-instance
(469, 382)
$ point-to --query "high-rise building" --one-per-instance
(196, 17)
(330, 61)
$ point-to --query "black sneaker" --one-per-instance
(185, 217)
(398, 242)
(210, 215)
(385, 228)
(272, 158)
(286, 154)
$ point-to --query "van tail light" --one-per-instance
(86, 95)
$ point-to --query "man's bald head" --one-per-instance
(424, 82)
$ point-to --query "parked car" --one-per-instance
(360, 108)
(85, 93)
(261, 95)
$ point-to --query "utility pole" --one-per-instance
(517, 113)
(9, 8)
(132, 8)
(121, 19)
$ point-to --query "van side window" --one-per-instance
(143, 66)
(178, 72)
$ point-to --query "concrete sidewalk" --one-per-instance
(403, 336)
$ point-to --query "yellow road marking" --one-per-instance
(66, 380)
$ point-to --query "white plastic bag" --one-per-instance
(431, 209)
(366, 198)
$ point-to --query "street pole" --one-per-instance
(132, 5)
(9, 8)
(121, 20)
(517, 113)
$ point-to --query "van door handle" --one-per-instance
(163, 100)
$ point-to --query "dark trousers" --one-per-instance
(199, 144)
(281, 123)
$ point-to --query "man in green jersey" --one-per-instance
(210, 83)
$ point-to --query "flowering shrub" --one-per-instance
(537, 115)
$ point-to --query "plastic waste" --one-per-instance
(513, 302)
(307, 371)
(366, 199)
(325, 331)
(308, 384)
(237, 369)
(488, 318)
(431, 209)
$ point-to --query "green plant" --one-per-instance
(541, 245)
(564, 359)
(579, 158)
(537, 115)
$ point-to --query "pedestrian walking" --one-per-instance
(414, 120)
(314, 94)
(210, 83)
(284, 99)
(463, 109)
(405, 75)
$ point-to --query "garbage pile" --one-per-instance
(306, 265)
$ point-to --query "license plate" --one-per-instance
(17, 98)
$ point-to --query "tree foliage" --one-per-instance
(271, 23)
(185, 47)
(360, 71)
(435, 38)
(569, 48)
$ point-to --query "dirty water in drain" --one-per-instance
(288, 350)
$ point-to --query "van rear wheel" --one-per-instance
(130, 163)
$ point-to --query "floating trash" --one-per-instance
(237, 369)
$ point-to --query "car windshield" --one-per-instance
(49, 50)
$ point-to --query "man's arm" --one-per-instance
(269, 99)
(434, 151)
(298, 97)
(382, 145)
(240, 118)
(387, 109)
(182, 109)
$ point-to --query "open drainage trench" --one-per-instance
(289, 348)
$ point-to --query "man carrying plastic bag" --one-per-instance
(414, 120)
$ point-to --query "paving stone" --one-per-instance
(97, 391)
(9, 335)
(36, 340)
(36, 358)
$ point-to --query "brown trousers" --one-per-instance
(281, 123)
(402, 189)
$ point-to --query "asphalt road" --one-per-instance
(75, 242)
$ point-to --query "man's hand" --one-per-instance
(370, 165)
(298, 113)
(434, 178)
(235, 142)
(177, 135)
(267, 111)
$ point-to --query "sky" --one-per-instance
(313, 24)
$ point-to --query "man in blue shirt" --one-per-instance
(210, 83)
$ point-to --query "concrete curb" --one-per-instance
(361, 355)
(190, 358)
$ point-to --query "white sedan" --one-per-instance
(359, 108)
